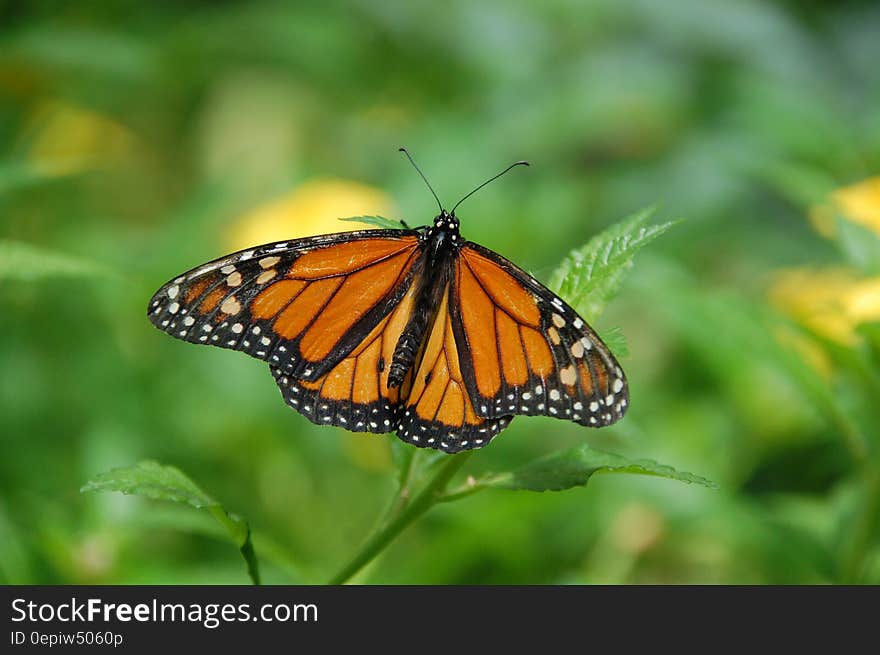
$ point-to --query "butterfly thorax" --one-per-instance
(440, 244)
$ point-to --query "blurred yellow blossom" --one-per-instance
(860, 203)
(312, 208)
(833, 301)
(368, 452)
(68, 139)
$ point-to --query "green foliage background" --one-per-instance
(735, 115)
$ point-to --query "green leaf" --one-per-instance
(616, 341)
(378, 221)
(860, 245)
(15, 175)
(590, 275)
(565, 469)
(161, 482)
(23, 262)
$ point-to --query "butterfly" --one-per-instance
(413, 331)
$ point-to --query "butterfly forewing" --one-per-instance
(355, 394)
(528, 352)
(301, 305)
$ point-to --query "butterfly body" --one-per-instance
(440, 246)
(413, 331)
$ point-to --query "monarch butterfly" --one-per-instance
(413, 331)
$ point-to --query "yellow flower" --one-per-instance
(832, 302)
(68, 139)
(367, 451)
(313, 208)
(859, 203)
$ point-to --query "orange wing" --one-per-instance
(437, 411)
(302, 305)
(525, 351)
(354, 394)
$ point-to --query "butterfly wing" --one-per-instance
(302, 305)
(355, 394)
(437, 411)
(525, 351)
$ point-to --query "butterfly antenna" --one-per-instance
(491, 179)
(406, 152)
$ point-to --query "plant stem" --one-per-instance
(426, 498)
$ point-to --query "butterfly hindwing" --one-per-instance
(355, 394)
(437, 411)
(527, 351)
(300, 305)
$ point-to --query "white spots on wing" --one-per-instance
(577, 349)
(230, 306)
(568, 375)
(173, 307)
(256, 329)
(265, 276)
(578, 324)
(173, 290)
(593, 420)
(179, 280)
(558, 303)
(265, 341)
(226, 270)
(586, 343)
(618, 385)
(539, 390)
(269, 262)
(609, 400)
(238, 328)
(207, 328)
(233, 279)
(578, 405)
(526, 396)
(594, 406)
(558, 321)
(554, 394)
(246, 255)
(189, 320)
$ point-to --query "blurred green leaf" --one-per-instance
(16, 175)
(859, 245)
(590, 275)
(23, 262)
(574, 468)
(378, 221)
(615, 339)
(161, 482)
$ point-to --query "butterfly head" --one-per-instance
(443, 235)
(446, 221)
